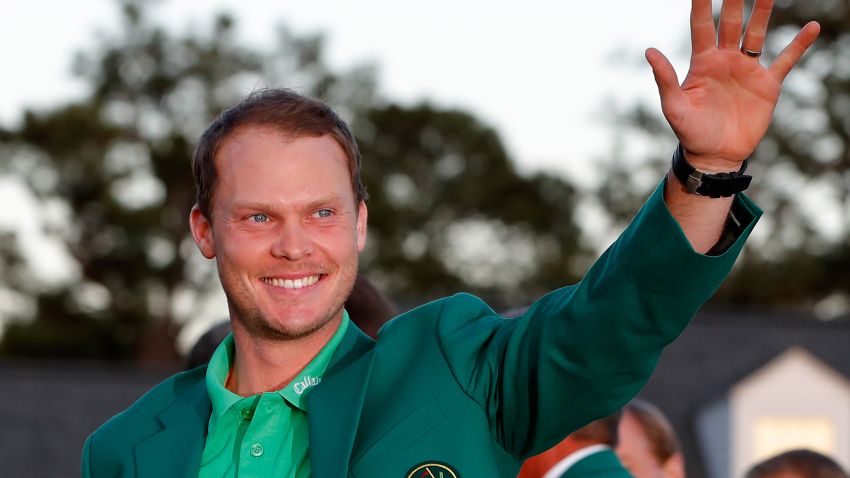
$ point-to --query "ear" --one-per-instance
(674, 467)
(362, 220)
(202, 232)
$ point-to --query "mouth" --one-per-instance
(299, 283)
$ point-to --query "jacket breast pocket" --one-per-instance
(388, 453)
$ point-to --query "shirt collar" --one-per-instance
(573, 458)
(295, 392)
(311, 375)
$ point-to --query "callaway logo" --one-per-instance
(306, 382)
(432, 470)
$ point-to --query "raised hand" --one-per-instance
(723, 108)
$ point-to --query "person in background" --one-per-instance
(587, 452)
(648, 446)
(797, 464)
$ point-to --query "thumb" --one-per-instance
(665, 78)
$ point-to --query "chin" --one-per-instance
(289, 328)
(298, 331)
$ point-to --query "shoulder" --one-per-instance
(157, 399)
(452, 311)
(117, 436)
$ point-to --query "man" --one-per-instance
(648, 446)
(797, 464)
(586, 452)
(449, 389)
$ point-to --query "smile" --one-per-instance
(292, 283)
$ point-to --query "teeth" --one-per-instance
(293, 284)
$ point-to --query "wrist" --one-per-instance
(711, 164)
(709, 182)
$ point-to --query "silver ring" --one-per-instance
(751, 53)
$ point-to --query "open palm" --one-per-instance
(723, 108)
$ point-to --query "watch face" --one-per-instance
(432, 470)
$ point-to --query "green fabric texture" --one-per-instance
(454, 383)
(264, 434)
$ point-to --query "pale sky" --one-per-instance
(536, 70)
(539, 71)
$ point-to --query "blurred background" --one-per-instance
(505, 147)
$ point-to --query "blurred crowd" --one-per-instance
(638, 441)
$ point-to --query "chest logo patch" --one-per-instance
(432, 469)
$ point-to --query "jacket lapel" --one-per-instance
(175, 451)
(334, 406)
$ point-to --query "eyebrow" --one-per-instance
(311, 204)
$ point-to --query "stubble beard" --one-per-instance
(245, 310)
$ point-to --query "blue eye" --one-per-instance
(260, 217)
(323, 213)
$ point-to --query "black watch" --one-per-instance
(713, 185)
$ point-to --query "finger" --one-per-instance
(702, 26)
(667, 81)
(731, 24)
(794, 51)
(757, 26)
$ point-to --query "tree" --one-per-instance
(800, 256)
(120, 158)
(448, 210)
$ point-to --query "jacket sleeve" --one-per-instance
(86, 458)
(581, 352)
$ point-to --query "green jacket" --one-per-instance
(603, 464)
(453, 383)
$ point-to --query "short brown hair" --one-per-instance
(805, 463)
(656, 427)
(280, 109)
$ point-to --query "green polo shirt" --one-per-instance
(264, 434)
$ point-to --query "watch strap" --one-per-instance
(713, 185)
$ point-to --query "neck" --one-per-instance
(264, 365)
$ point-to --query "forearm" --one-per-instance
(701, 218)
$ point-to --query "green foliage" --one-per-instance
(449, 212)
(62, 331)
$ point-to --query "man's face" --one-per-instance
(286, 231)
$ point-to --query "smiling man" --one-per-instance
(287, 262)
(285, 226)
(449, 389)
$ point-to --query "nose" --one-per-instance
(293, 242)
